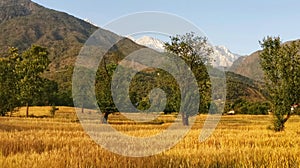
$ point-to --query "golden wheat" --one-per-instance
(238, 141)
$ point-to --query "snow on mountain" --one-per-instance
(150, 42)
(221, 56)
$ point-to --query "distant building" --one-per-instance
(232, 112)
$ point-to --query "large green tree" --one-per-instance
(195, 51)
(281, 65)
(8, 81)
(33, 63)
(21, 82)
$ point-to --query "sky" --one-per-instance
(236, 24)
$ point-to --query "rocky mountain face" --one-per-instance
(249, 66)
(10, 9)
(221, 57)
(24, 23)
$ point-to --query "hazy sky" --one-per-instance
(237, 24)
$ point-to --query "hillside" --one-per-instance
(249, 66)
(23, 23)
(241, 87)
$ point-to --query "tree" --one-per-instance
(8, 82)
(33, 63)
(48, 93)
(103, 89)
(21, 82)
(195, 51)
(281, 65)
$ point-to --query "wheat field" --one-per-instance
(238, 141)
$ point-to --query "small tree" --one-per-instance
(53, 110)
(33, 63)
(103, 88)
(195, 51)
(281, 65)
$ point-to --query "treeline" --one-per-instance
(25, 81)
(21, 81)
(242, 106)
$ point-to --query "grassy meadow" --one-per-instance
(238, 141)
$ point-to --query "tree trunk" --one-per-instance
(27, 110)
(105, 118)
(10, 112)
(286, 118)
(185, 119)
(279, 123)
(82, 108)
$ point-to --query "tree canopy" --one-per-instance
(21, 82)
(281, 65)
(195, 51)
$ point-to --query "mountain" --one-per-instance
(150, 42)
(10, 9)
(24, 23)
(249, 66)
(239, 86)
(222, 57)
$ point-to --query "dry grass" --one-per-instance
(44, 112)
(238, 141)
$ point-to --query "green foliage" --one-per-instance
(239, 86)
(103, 87)
(8, 81)
(140, 87)
(243, 106)
(47, 94)
(63, 79)
(64, 98)
(33, 63)
(191, 48)
(195, 52)
(144, 82)
(21, 82)
(281, 65)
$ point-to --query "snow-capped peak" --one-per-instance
(150, 42)
(221, 57)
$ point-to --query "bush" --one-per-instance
(53, 110)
